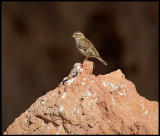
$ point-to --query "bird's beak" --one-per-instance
(73, 36)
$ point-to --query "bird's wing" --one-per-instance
(89, 48)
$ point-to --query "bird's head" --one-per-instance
(78, 35)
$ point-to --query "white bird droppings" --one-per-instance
(113, 101)
(146, 112)
(120, 93)
(79, 67)
(70, 81)
(58, 130)
(124, 91)
(142, 106)
(104, 84)
(26, 112)
(83, 83)
(43, 101)
(74, 110)
(88, 93)
(89, 104)
(53, 94)
(63, 95)
(60, 109)
(112, 86)
(78, 111)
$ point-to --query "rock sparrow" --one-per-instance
(86, 47)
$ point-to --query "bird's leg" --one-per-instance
(84, 61)
(86, 58)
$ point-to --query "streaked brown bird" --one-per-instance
(86, 47)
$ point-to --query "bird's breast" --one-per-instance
(80, 48)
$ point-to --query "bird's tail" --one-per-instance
(102, 60)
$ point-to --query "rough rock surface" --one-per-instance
(87, 104)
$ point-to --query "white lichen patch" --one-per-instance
(84, 79)
(96, 99)
(60, 109)
(58, 130)
(83, 83)
(43, 100)
(63, 95)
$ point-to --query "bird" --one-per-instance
(85, 47)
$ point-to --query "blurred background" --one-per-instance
(38, 50)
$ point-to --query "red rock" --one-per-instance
(87, 104)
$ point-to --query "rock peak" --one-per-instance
(87, 104)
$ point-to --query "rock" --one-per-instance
(87, 104)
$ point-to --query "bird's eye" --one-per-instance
(76, 34)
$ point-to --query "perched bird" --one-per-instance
(86, 47)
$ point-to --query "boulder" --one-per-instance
(87, 104)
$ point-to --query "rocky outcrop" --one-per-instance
(87, 104)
